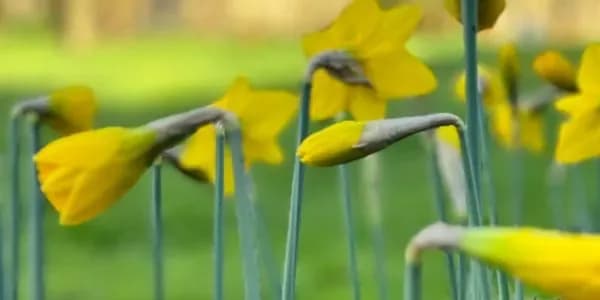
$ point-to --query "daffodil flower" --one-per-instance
(369, 63)
(262, 115)
(558, 263)
(85, 173)
(579, 137)
(351, 140)
(504, 116)
(488, 11)
(557, 70)
(67, 110)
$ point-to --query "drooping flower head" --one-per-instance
(447, 150)
(68, 110)
(376, 65)
(83, 174)
(560, 264)
(557, 70)
(262, 115)
(351, 140)
(488, 11)
(579, 137)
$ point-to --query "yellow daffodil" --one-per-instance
(351, 140)
(67, 110)
(556, 70)
(448, 135)
(374, 39)
(558, 263)
(488, 11)
(509, 69)
(262, 115)
(527, 125)
(83, 174)
(579, 137)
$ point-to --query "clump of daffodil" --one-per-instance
(262, 115)
(579, 137)
(83, 174)
(488, 11)
(447, 147)
(361, 61)
(68, 110)
(507, 116)
(557, 70)
(351, 140)
(557, 263)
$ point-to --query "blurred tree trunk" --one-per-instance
(79, 23)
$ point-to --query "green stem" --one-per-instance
(463, 267)
(244, 214)
(14, 143)
(555, 196)
(440, 205)
(371, 182)
(412, 281)
(37, 222)
(580, 203)
(291, 249)
(157, 232)
(218, 215)
(350, 232)
(265, 247)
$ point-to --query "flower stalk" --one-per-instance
(291, 249)
(219, 195)
(15, 208)
(37, 220)
(350, 232)
(157, 231)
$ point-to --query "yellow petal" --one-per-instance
(73, 109)
(532, 131)
(83, 174)
(528, 130)
(556, 69)
(449, 135)
(398, 75)
(577, 103)
(332, 145)
(589, 71)
(579, 138)
(392, 32)
(509, 67)
(488, 11)
(264, 151)
(364, 104)
(352, 27)
(328, 96)
(494, 92)
(562, 264)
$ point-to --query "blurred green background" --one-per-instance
(146, 59)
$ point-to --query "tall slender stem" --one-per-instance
(412, 285)
(350, 232)
(244, 213)
(218, 215)
(581, 208)
(440, 205)
(293, 234)
(371, 182)
(14, 143)
(157, 232)
(37, 222)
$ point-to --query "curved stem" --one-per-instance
(218, 215)
(157, 232)
(15, 209)
(244, 213)
(37, 222)
(291, 249)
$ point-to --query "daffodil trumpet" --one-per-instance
(436, 178)
(156, 220)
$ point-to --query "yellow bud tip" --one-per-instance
(556, 70)
(332, 145)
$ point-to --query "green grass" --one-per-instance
(110, 257)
